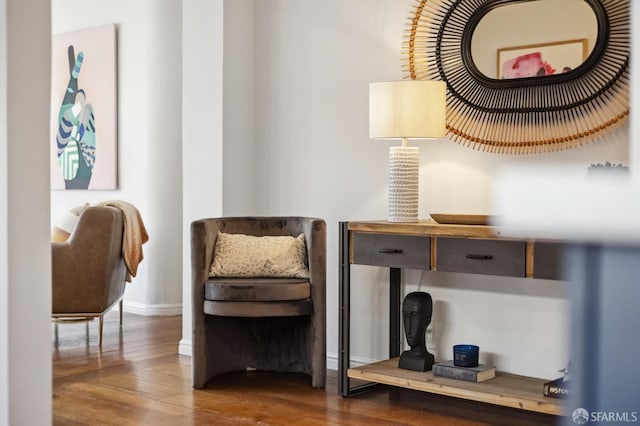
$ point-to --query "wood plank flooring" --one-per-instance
(139, 379)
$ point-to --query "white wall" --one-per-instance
(313, 66)
(238, 112)
(149, 46)
(25, 251)
(202, 106)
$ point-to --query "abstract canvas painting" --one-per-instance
(84, 110)
(538, 60)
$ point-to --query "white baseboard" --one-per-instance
(184, 347)
(356, 361)
(152, 310)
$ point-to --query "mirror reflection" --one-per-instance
(534, 38)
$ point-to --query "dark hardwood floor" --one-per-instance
(139, 379)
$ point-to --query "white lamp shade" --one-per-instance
(413, 109)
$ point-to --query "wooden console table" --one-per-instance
(427, 245)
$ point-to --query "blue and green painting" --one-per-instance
(76, 136)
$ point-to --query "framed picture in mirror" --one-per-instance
(539, 60)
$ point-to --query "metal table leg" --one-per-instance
(395, 276)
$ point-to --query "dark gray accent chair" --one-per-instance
(267, 324)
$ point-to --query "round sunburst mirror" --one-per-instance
(521, 78)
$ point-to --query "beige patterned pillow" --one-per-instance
(239, 255)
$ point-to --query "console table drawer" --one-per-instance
(490, 257)
(413, 252)
(548, 260)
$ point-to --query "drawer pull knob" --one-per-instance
(390, 251)
(479, 256)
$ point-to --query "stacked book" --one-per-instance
(558, 388)
(478, 374)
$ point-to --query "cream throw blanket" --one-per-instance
(135, 235)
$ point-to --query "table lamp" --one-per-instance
(411, 109)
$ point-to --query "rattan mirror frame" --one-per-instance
(521, 116)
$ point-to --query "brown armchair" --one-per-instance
(270, 324)
(88, 270)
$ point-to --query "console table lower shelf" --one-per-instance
(505, 389)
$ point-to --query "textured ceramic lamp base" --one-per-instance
(404, 171)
